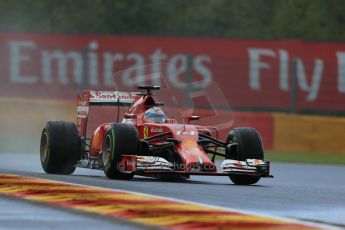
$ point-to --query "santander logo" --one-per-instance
(111, 95)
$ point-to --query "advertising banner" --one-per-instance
(250, 74)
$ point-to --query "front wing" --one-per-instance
(146, 165)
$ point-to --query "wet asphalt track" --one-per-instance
(308, 192)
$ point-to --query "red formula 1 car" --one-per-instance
(147, 143)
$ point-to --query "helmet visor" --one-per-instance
(156, 118)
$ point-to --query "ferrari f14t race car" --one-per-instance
(148, 143)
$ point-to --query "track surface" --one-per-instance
(308, 192)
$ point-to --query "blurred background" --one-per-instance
(276, 65)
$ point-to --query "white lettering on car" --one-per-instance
(181, 132)
(157, 130)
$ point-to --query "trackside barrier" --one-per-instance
(308, 133)
(22, 120)
(263, 122)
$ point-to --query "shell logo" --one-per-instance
(190, 144)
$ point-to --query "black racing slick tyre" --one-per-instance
(60, 147)
(120, 139)
(250, 147)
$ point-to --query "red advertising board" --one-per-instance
(249, 73)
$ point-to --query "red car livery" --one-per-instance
(137, 146)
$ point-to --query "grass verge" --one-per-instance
(298, 157)
(314, 158)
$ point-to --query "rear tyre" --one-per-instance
(120, 139)
(250, 147)
(59, 148)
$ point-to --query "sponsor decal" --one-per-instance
(116, 96)
(190, 144)
(181, 132)
(82, 111)
(157, 130)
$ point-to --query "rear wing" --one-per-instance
(89, 98)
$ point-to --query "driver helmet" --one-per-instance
(155, 115)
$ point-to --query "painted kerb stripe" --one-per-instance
(139, 208)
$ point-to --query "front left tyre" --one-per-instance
(59, 148)
(120, 139)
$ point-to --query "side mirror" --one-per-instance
(129, 115)
(192, 118)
